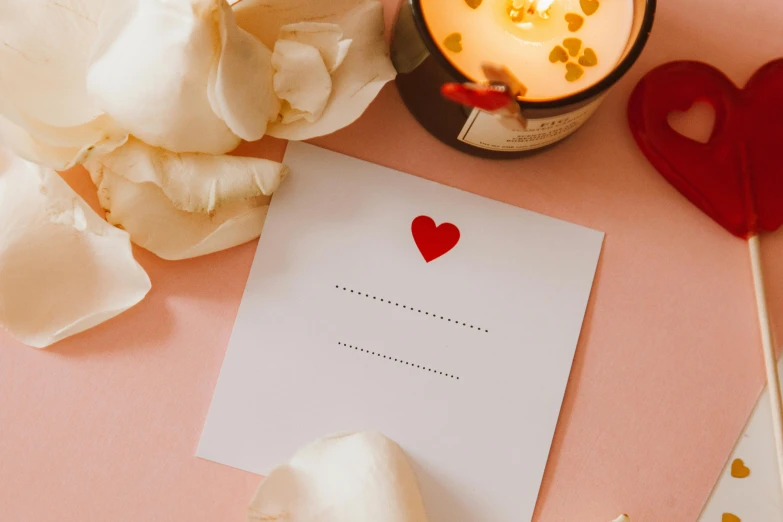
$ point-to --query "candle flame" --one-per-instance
(518, 10)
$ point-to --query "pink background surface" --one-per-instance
(104, 426)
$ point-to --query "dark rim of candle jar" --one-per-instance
(572, 99)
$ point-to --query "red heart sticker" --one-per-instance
(433, 241)
(737, 176)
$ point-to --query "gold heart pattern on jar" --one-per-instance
(589, 7)
(558, 54)
(574, 21)
(573, 45)
(570, 48)
(588, 58)
(729, 517)
(574, 71)
(453, 42)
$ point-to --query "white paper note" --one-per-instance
(458, 348)
(749, 488)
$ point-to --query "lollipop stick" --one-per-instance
(770, 359)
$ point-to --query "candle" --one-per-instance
(561, 56)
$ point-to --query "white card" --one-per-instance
(463, 360)
(749, 488)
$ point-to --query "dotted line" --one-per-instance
(406, 363)
(412, 309)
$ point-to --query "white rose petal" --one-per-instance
(180, 75)
(327, 38)
(358, 477)
(305, 57)
(45, 49)
(241, 91)
(60, 148)
(184, 205)
(302, 80)
(57, 147)
(365, 68)
(63, 269)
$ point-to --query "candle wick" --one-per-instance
(517, 9)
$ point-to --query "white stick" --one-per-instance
(770, 359)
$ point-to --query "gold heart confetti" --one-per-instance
(739, 469)
(573, 45)
(589, 7)
(728, 517)
(573, 72)
(588, 58)
(473, 4)
(453, 42)
(558, 54)
(574, 21)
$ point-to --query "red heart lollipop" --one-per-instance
(737, 177)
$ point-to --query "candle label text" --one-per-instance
(485, 131)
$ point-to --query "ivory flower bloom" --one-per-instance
(182, 76)
(355, 477)
(151, 95)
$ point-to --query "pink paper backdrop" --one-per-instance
(104, 426)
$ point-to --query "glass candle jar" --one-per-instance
(565, 55)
